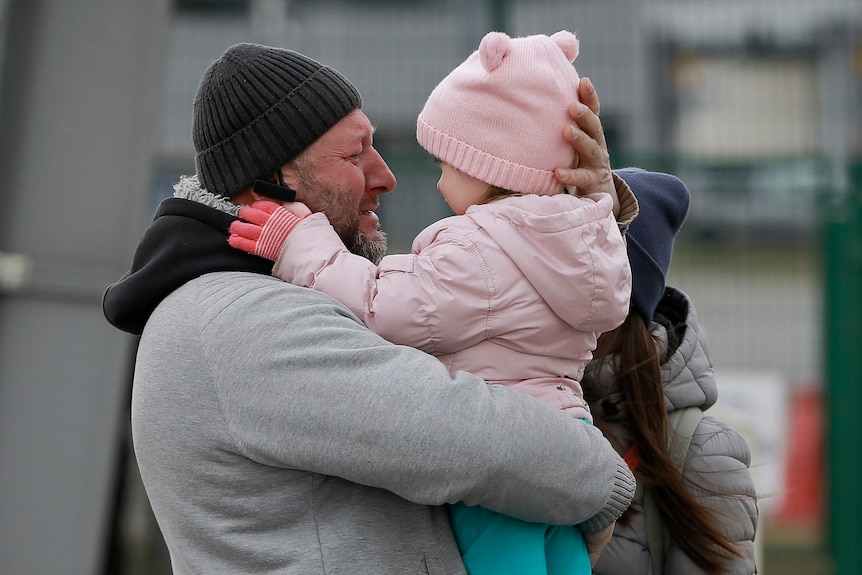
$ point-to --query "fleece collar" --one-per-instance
(187, 239)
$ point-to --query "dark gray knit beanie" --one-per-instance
(257, 107)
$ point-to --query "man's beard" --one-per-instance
(326, 200)
(359, 244)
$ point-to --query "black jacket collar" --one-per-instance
(186, 240)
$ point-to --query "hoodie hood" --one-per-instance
(187, 239)
(687, 375)
(570, 250)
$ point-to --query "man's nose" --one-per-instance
(379, 179)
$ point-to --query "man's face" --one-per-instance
(342, 174)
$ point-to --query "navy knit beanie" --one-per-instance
(663, 202)
(257, 108)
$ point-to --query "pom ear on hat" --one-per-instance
(493, 48)
(496, 45)
(568, 43)
(663, 202)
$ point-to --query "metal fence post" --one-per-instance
(843, 375)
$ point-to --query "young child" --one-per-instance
(515, 288)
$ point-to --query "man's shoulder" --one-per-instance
(240, 297)
(236, 282)
(251, 288)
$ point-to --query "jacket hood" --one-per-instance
(187, 239)
(569, 249)
(687, 375)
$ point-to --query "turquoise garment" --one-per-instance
(494, 544)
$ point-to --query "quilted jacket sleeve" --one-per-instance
(718, 462)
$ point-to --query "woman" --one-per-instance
(658, 362)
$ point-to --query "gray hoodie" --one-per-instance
(276, 434)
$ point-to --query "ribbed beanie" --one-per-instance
(257, 107)
(499, 116)
(663, 202)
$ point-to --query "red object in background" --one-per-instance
(803, 498)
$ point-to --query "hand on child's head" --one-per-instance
(588, 96)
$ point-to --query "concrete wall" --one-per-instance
(81, 93)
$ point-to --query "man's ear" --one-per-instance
(279, 191)
(246, 197)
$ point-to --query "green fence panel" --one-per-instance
(843, 374)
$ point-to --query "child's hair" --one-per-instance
(495, 193)
(637, 369)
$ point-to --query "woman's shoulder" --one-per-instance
(718, 446)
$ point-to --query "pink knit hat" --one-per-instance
(499, 116)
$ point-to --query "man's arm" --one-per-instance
(331, 397)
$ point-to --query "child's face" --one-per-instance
(460, 190)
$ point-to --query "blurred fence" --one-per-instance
(755, 104)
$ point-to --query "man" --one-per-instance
(276, 434)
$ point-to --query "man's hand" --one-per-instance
(592, 173)
(596, 542)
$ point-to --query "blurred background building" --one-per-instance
(755, 104)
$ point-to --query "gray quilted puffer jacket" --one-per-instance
(716, 449)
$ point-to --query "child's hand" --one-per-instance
(264, 226)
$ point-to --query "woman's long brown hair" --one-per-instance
(637, 369)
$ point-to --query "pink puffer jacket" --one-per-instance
(515, 291)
